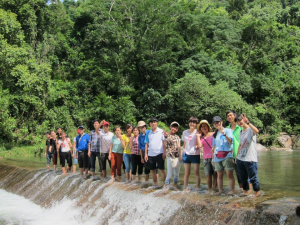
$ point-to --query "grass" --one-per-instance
(21, 151)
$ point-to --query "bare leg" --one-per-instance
(197, 174)
(74, 168)
(231, 180)
(127, 176)
(132, 177)
(215, 177)
(147, 177)
(187, 168)
(140, 177)
(104, 173)
(54, 167)
(64, 170)
(220, 181)
(48, 167)
(154, 176)
(209, 181)
(163, 175)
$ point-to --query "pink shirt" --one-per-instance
(207, 153)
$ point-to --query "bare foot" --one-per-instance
(257, 193)
(246, 193)
(231, 192)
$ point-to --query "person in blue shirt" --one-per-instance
(82, 143)
(222, 147)
(141, 139)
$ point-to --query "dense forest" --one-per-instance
(68, 62)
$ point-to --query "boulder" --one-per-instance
(296, 141)
(260, 147)
(285, 140)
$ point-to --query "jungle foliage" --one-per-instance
(67, 63)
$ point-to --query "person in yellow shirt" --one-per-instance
(127, 151)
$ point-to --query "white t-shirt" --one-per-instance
(248, 152)
(64, 145)
(190, 140)
(155, 142)
(105, 141)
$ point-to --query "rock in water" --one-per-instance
(285, 140)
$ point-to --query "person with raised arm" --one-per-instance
(116, 155)
(247, 155)
(65, 145)
(204, 140)
(223, 158)
(127, 151)
(191, 154)
(155, 150)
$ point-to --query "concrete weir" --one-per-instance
(98, 202)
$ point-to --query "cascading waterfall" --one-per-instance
(47, 197)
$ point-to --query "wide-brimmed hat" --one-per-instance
(206, 122)
(141, 124)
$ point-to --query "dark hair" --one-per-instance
(231, 111)
(117, 128)
(238, 117)
(215, 134)
(96, 120)
(193, 119)
(58, 128)
(174, 125)
(135, 128)
(128, 126)
(49, 133)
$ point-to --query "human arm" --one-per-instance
(179, 151)
(199, 143)
(123, 143)
(164, 148)
(254, 128)
(110, 151)
(74, 150)
(146, 152)
(240, 147)
(229, 137)
(130, 142)
(141, 153)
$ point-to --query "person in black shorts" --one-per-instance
(155, 150)
(82, 142)
(65, 145)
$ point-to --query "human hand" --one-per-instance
(89, 154)
(180, 158)
(164, 156)
(146, 158)
(109, 156)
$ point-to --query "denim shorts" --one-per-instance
(190, 158)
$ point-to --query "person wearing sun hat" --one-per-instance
(204, 140)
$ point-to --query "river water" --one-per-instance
(33, 197)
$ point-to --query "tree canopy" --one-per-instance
(68, 63)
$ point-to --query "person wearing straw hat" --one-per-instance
(204, 140)
(141, 140)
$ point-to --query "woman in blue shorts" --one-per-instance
(191, 154)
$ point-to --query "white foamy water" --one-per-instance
(115, 206)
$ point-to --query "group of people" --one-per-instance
(144, 151)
